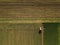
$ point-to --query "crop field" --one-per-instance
(27, 34)
(20, 23)
(20, 34)
(52, 34)
(29, 10)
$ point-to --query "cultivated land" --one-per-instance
(29, 10)
(19, 25)
(27, 34)
(20, 34)
(51, 34)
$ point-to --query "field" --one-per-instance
(27, 34)
(20, 22)
(19, 34)
(29, 10)
(19, 25)
(51, 34)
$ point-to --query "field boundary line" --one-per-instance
(29, 21)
